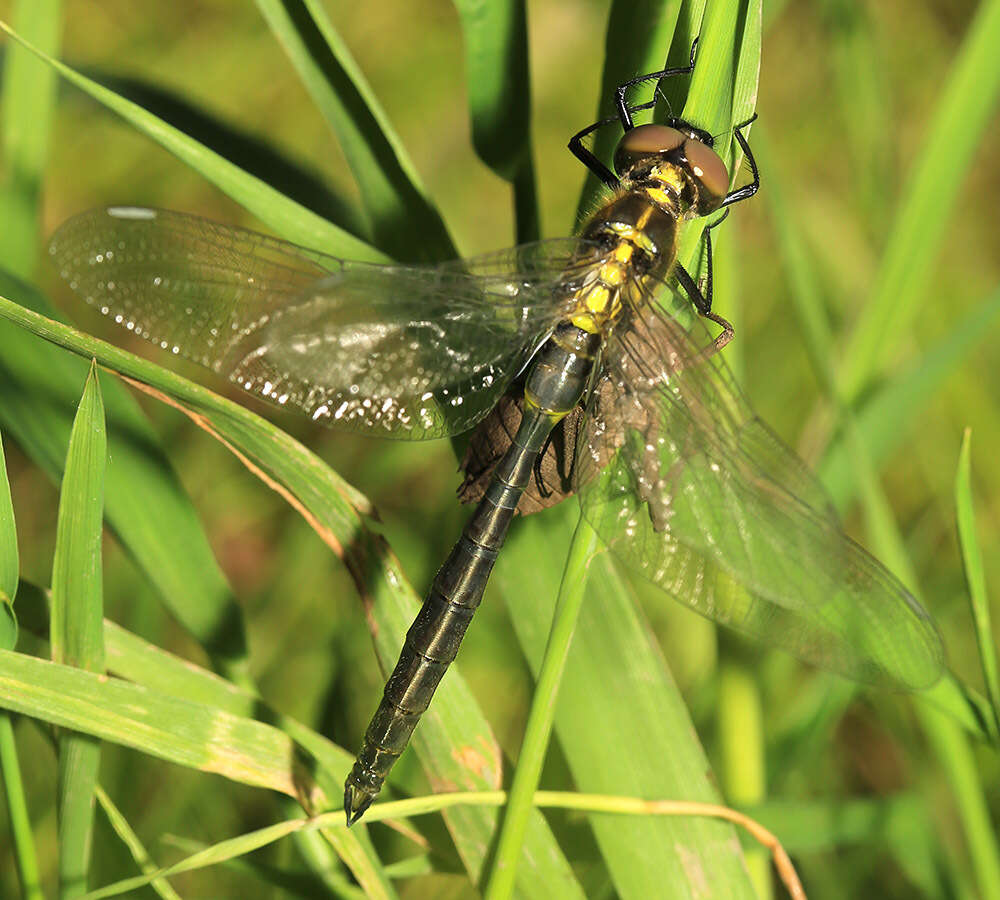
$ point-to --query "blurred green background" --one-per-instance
(847, 93)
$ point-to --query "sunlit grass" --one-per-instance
(874, 792)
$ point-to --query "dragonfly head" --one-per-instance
(681, 161)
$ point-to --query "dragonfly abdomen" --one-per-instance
(555, 384)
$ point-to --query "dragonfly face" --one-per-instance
(674, 470)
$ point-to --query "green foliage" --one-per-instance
(847, 240)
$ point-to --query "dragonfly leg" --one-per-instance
(625, 111)
(748, 190)
(586, 156)
(703, 300)
(703, 305)
(625, 115)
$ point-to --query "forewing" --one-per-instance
(702, 498)
(400, 351)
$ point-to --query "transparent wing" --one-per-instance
(695, 493)
(400, 351)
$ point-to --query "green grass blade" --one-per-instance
(403, 222)
(968, 793)
(972, 559)
(37, 396)
(22, 839)
(136, 660)
(26, 101)
(723, 88)
(278, 881)
(131, 840)
(230, 852)
(620, 720)
(572, 588)
(188, 734)
(9, 565)
(77, 589)
(143, 663)
(496, 70)
(340, 515)
(722, 92)
(742, 769)
(943, 733)
(77, 612)
(160, 725)
(964, 112)
(972, 711)
(664, 40)
(247, 151)
(287, 218)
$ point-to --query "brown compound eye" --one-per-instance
(645, 141)
(709, 172)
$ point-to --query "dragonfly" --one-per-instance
(593, 347)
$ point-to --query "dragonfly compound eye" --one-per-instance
(645, 141)
(709, 173)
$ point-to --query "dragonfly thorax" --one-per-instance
(640, 237)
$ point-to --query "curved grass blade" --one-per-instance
(231, 850)
(22, 838)
(77, 612)
(138, 662)
(455, 743)
(27, 100)
(188, 734)
(130, 839)
(496, 64)
(959, 123)
(37, 394)
(9, 564)
(289, 219)
(404, 223)
(247, 151)
(972, 560)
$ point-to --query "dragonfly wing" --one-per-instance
(702, 498)
(399, 351)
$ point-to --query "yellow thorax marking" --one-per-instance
(669, 184)
(601, 301)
